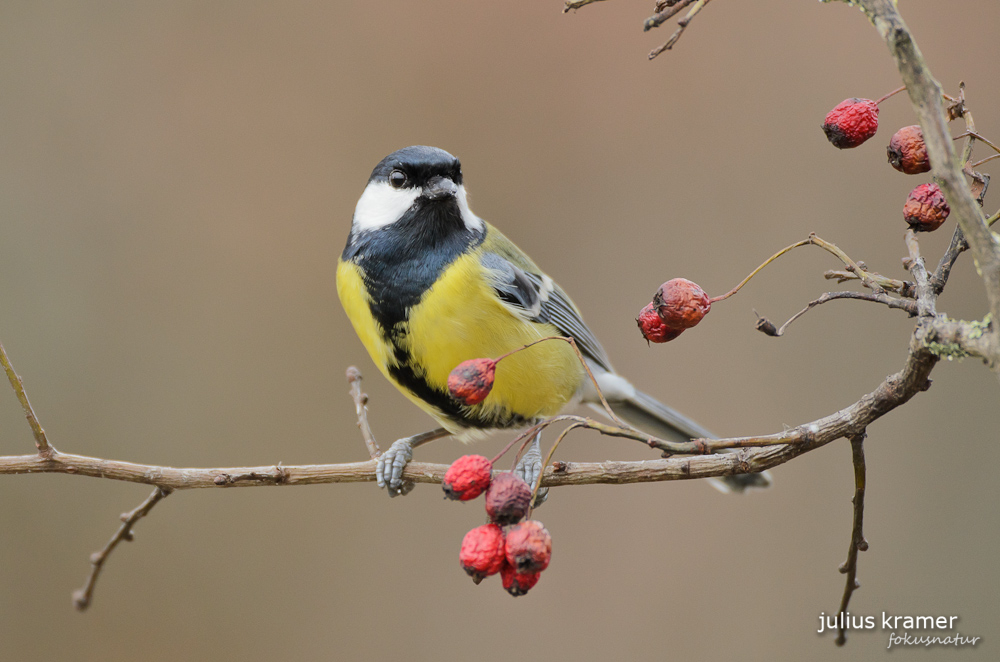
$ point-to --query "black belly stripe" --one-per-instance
(400, 262)
(471, 417)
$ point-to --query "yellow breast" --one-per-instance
(461, 318)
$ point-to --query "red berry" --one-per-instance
(529, 547)
(926, 209)
(681, 304)
(517, 583)
(652, 327)
(471, 381)
(482, 552)
(507, 499)
(467, 477)
(907, 151)
(851, 122)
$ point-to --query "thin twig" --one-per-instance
(82, 597)
(982, 161)
(576, 4)
(664, 14)
(41, 441)
(767, 328)
(972, 133)
(858, 542)
(361, 407)
(682, 26)
(903, 288)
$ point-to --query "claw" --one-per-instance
(530, 469)
(390, 465)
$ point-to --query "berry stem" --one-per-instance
(893, 93)
(757, 270)
(813, 240)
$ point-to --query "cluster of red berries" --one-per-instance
(853, 121)
(521, 552)
(679, 304)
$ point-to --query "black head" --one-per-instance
(433, 170)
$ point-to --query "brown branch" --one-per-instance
(82, 597)
(755, 453)
(858, 542)
(767, 328)
(41, 441)
(925, 96)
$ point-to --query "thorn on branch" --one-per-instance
(82, 597)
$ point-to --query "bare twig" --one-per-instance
(972, 133)
(82, 597)
(907, 305)
(664, 13)
(858, 542)
(902, 287)
(682, 26)
(576, 4)
(41, 441)
(982, 161)
(361, 407)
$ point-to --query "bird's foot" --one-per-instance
(530, 469)
(390, 465)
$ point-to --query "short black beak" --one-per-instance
(438, 188)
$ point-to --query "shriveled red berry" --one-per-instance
(517, 583)
(471, 381)
(507, 499)
(652, 327)
(529, 547)
(907, 151)
(926, 209)
(482, 552)
(851, 122)
(681, 304)
(467, 477)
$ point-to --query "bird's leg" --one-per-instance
(530, 469)
(390, 464)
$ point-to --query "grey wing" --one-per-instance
(536, 297)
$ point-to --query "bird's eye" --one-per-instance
(397, 178)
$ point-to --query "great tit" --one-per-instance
(427, 284)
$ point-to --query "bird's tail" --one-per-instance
(652, 416)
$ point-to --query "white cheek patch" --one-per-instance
(471, 221)
(381, 205)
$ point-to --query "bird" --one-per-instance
(427, 284)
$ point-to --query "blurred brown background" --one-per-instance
(177, 180)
